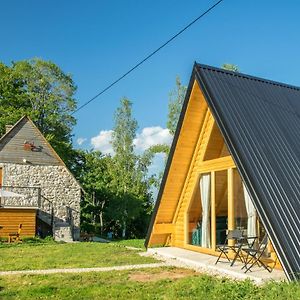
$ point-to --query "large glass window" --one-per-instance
(209, 213)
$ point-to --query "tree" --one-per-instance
(13, 102)
(93, 173)
(230, 67)
(176, 98)
(41, 90)
(128, 173)
(155, 179)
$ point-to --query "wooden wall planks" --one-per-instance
(10, 219)
(199, 139)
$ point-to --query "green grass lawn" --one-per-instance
(160, 283)
(52, 255)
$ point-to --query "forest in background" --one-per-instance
(117, 188)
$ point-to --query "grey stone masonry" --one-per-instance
(51, 183)
(63, 232)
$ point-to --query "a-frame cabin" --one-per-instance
(234, 163)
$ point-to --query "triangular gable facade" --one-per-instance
(25, 143)
(234, 126)
(31, 167)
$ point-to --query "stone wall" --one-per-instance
(55, 184)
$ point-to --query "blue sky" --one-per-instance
(97, 41)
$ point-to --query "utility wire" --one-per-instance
(147, 57)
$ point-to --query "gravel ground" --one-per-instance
(84, 270)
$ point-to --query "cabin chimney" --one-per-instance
(8, 128)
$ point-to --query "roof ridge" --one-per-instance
(246, 76)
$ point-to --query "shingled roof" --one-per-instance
(260, 122)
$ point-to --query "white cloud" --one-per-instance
(102, 142)
(148, 137)
(152, 136)
(81, 140)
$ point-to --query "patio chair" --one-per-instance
(15, 236)
(255, 256)
(236, 235)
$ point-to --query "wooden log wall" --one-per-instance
(189, 135)
(10, 218)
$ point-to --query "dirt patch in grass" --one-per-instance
(172, 275)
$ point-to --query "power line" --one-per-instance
(147, 57)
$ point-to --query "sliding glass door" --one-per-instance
(219, 202)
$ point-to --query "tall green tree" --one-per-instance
(41, 90)
(13, 101)
(129, 173)
(92, 170)
(176, 98)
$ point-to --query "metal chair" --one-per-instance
(255, 256)
(237, 236)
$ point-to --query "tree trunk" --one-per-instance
(101, 218)
(124, 229)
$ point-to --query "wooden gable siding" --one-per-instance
(12, 146)
(207, 146)
(10, 219)
(189, 136)
(216, 146)
(191, 180)
(188, 162)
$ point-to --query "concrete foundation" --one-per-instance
(206, 263)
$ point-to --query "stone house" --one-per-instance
(38, 190)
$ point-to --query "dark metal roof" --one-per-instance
(260, 122)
